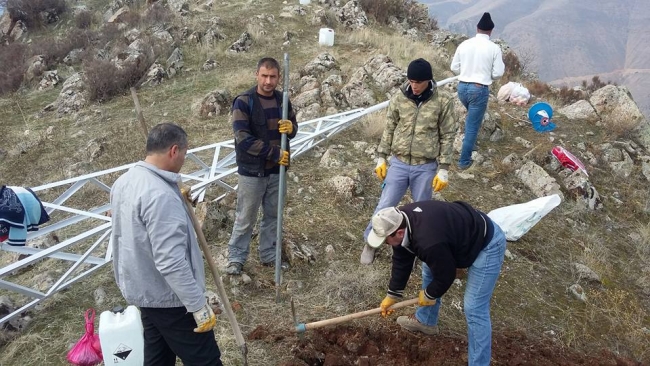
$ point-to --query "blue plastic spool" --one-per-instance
(540, 115)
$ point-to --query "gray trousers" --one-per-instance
(251, 193)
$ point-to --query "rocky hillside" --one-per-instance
(567, 41)
(575, 289)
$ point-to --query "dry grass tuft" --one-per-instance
(372, 126)
(400, 50)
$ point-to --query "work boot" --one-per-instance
(468, 168)
(283, 265)
(411, 323)
(234, 268)
(367, 255)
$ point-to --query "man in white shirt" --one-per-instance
(477, 62)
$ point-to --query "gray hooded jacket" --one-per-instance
(156, 257)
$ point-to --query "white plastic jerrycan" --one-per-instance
(121, 336)
(326, 37)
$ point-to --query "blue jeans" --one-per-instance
(399, 177)
(481, 280)
(251, 193)
(475, 100)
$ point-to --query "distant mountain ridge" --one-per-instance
(567, 41)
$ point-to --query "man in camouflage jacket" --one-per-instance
(417, 140)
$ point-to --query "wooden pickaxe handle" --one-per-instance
(345, 318)
(239, 338)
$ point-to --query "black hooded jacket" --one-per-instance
(445, 236)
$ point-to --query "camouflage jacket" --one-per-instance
(418, 134)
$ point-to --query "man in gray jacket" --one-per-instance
(156, 257)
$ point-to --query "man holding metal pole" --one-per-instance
(258, 127)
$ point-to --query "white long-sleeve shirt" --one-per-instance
(478, 60)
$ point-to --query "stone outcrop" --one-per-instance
(73, 96)
(579, 110)
(215, 103)
(377, 74)
(242, 44)
(538, 180)
(617, 102)
(322, 64)
(175, 62)
(352, 16)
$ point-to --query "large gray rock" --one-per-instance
(377, 74)
(73, 96)
(489, 126)
(322, 64)
(538, 180)
(36, 67)
(330, 93)
(579, 110)
(155, 75)
(344, 187)
(332, 158)
(137, 52)
(12, 328)
(119, 15)
(512, 161)
(309, 112)
(306, 98)
(50, 79)
(242, 44)
(585, 273)
(73, 57)
(617, 102)
(179, 6)
(215, 103)
(623, 168)
(352, 16)
(175, 62)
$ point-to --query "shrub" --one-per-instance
(538, 88)
(514, 68)
(157, 14)
(12, 59)
(105, 79)
(569, 95)
(30, 11)
(411, 11)
(83, 19)
(55, 50)
(596, 84)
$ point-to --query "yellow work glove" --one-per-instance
(424, 300)
(285, 126)
(387, 302)
(380, 169)
(205, 319)
(186, 192)
(440, 181)
(284, 158)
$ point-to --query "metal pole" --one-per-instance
(282, 188)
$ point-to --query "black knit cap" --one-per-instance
(485, 23)
(419, 70)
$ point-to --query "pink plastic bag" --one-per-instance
(87, 351)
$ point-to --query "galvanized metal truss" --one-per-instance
(87, 250)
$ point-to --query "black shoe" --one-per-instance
(284, 265)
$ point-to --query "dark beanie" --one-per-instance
(419, 70)
(485, 23)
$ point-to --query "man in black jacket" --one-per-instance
(444, 236)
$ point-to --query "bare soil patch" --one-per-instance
(389, 345)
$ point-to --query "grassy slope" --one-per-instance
(530, 296)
